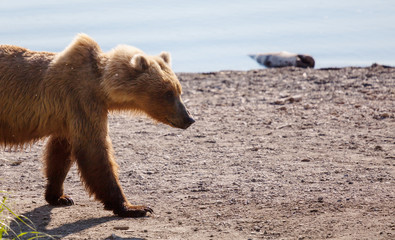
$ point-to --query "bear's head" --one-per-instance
(136, 81)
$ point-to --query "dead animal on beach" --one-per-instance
(284, 59)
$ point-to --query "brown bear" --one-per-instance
(67, 97)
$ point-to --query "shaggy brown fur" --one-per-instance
(68, 95)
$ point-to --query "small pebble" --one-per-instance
(378, 148)
(121, 227)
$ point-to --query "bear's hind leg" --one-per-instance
(57, 164)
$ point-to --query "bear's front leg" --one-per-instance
(99, 172)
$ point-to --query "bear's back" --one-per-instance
(21, 64)
(21, 74)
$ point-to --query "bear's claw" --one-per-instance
(148, 209)
(134, 211)
(65, 201)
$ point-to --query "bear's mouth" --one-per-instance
(188, 122)
(171, 123)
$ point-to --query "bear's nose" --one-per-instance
(191, 120)
(188, 121)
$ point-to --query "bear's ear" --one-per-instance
(166, 57)
(140, 62)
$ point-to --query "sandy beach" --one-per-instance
(284, 153)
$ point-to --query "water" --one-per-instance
(208, 35)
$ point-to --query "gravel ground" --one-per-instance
(274, 154)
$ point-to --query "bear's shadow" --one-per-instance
(40, 217)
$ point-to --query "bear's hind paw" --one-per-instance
(63, 200)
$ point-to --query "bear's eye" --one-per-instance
(169, 95)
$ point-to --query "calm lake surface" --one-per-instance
(211, 35)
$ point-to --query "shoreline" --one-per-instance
(263, 68)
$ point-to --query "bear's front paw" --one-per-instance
(133, 211)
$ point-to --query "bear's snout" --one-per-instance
(183, 121)
(188, 121)
(181, 118)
